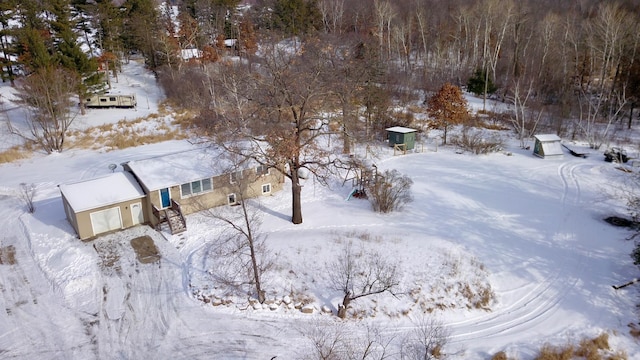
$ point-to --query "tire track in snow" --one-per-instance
(26, 288)
(536, 305)
(544, 299)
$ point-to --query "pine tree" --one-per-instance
(296, 17)
(447, 107)
(69, 53)
(476, 83)
(7, 11)
(34, 45)
(141, 30)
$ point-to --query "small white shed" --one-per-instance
(547, 145)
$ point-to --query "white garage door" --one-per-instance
(106, 220)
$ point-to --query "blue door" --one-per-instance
(165, 198)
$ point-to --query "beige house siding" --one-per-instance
(83, 219)
(222, 187)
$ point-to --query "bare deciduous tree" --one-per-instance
(276, 112)
(390, 191)
(242, 246)
(523, 118)
(330, 340)
(601, 99)
(47, 95)
(427, 340)
(358, 273)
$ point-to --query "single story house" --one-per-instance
(547, 145)
(104, 204)
(166, 188)
(401, 135)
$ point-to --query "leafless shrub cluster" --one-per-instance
(426, 341)
(340, 341)
(27, 193)
(390, 191)
(477, 142)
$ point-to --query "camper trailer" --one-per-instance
(111, 101)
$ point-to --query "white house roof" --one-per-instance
(106, 190)
(178, 168)
(401, 129)
(547, 137)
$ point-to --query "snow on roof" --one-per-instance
(547, 137)
(401, 129)
(106, 190)
(179, 168)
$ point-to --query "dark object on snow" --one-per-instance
(616, 154)
(625, 285)
(574, 153)
(621, 222)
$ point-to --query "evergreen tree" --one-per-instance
(476, 83)
(69, 53)
(33, 39)
(296, 17)
(141, 30)
(7, 11)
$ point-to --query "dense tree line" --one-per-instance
(309, 68)
(579, 59)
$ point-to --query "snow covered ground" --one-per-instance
(530, 228)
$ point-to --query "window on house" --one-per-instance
(186, 189)
(207, 185)
(196, 187)
(266, 188)
(231, 198)
(262, 170)
(235, 176)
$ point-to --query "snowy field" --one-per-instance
(529, 228)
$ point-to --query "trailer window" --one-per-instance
(112, 99)
(103, 100)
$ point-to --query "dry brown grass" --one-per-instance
(500, 356)
(14, 153)
(167, 124)
(436, 352)
(8, 255)
(596, 348)
(549, 352)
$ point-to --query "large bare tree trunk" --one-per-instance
(342, 308)
(296, 193)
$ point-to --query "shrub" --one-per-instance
(500, 356)
(477, 143)
(27, 193)
(549, 352)
(390, 191)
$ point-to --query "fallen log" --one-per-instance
(625, 285)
